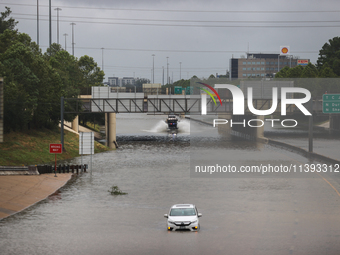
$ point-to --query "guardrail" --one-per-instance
(47, 169)
(42, 169)
(18, 170)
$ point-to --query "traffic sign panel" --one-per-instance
(55, 148)
(331, 103)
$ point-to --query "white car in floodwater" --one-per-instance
(183, 217)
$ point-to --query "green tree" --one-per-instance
(330, 54)
(326, 72)
(35, 82)
(9, 23)
(183, 83)
(92, 75)
(282, 73)
(31, 85)
(295, 72)
(53, 50)
(66, 66)
(309, 71)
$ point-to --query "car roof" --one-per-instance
(183, 206)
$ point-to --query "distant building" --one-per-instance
(113, 81)
(120, 82)
(257, 65)
(152, 88)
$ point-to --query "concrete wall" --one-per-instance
(1, 111)
(334, 122)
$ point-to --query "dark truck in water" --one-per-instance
(172, 122)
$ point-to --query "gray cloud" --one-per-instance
(203, 50)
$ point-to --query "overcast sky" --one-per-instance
(202, 35)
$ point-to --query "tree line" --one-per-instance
(327, 66)
(35, 81)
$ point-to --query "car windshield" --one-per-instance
(182, 212)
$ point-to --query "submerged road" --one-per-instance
(296, 213)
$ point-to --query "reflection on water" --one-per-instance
(240, 216)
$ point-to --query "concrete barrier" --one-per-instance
(41, 169)
(302, 151)
(18, 170)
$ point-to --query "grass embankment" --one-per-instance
(32, 147)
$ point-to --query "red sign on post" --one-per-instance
(55, 148)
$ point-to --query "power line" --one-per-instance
(159, 50)
(198, 21)
(160, 68)
(192, 25)
(185, 51)
(194, 11)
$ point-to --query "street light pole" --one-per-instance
(38, 22)
(153, 68)
(167, 70)
(163, 76)
(50, 24)
(57, 9)
(73, 37)
(180, 70)
(65, 41)
(102, 59)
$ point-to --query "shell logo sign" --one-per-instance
(302, 62)
(284, 50)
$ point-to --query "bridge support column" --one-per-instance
(260, 130)
(75, 124)
(334, 123)
(225, 130)
(110, 130)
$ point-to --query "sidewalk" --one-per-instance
(18, 192)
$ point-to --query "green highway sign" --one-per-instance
(331, 103)
(178, 90)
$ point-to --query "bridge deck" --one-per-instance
(163, 104)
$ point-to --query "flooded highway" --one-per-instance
(291, 213)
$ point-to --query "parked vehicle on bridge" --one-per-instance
(183, 217)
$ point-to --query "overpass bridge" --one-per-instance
(104, 100)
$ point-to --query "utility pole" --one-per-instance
(163, 76)
(180, 70)
(102, 59)
(57, 9)
(153, 68)
(50, 25)
(65, 41)
(72, 24)
(38, 22)
(167, 70)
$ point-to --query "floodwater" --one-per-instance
(242, 215)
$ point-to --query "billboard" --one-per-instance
(302, 62)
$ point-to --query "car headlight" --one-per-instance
(195, 221)
(171, 222)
